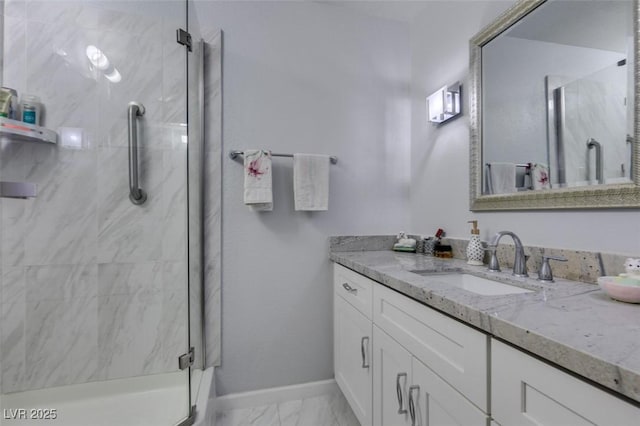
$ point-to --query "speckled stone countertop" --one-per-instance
(572, 324)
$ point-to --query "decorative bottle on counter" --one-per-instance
(475, 252)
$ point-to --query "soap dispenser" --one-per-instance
(475, 251)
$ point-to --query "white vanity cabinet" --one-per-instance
(395, 356)
(526, 391)
(413, 351)
(353, 341)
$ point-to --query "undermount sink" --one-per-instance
(474, 284)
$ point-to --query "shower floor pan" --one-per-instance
(157, 400)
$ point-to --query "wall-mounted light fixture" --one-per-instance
(444, 104)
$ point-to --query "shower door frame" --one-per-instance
(195, 200)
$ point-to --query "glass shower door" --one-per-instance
(94, 288)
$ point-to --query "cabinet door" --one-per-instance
(435, 403)
(352, 358)
(526, 391)
(391, 381)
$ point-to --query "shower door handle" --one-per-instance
(136, 194)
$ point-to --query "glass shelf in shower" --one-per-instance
(19, 130)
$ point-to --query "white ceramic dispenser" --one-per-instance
(475, 251)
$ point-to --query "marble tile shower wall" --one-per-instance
(92, 287)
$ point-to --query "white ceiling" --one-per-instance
(602, 25)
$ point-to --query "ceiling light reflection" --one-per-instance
(100, 61)
(97, 58)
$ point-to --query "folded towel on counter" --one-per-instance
(502, 178)
(540, 176)
(258, 194)
(311, 182)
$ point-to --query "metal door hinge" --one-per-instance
(186, 360)
(183, 38)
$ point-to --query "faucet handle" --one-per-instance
(493, 260)
(544, 274)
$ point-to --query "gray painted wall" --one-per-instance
(303, 77)
(309, 77)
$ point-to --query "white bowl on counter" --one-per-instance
(622, 289)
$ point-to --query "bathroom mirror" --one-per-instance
(553, 106)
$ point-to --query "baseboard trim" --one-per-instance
(275, 395)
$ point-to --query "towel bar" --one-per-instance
(234, 154)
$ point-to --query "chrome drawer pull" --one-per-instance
(365, 364)
(350, 289)
(412, 406)
(401, 409)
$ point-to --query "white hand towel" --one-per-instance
(540, 176)
(311, 182)
(258, 194)
(503, 178)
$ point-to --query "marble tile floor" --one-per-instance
(325, 410)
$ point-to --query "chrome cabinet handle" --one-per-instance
(350, 289)
(136, 194)
(365, 364)
(401, 409)
(412, 406)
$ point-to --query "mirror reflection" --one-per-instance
(557, 98)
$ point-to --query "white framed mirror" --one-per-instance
(553, 107)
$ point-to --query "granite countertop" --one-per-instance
(572, 324)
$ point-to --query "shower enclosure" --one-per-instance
(588, 129)
(101, 271)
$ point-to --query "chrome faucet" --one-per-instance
(544, 274)
(520, 260)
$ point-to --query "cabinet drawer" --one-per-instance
(354, 288)
(526, 391)
(455, 352)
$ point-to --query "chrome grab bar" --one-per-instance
(136, 194)
(363, 351)
(630, 143)
(592, 143)
(401, 409)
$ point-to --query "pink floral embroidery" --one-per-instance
(254, 169)
(544, 178)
